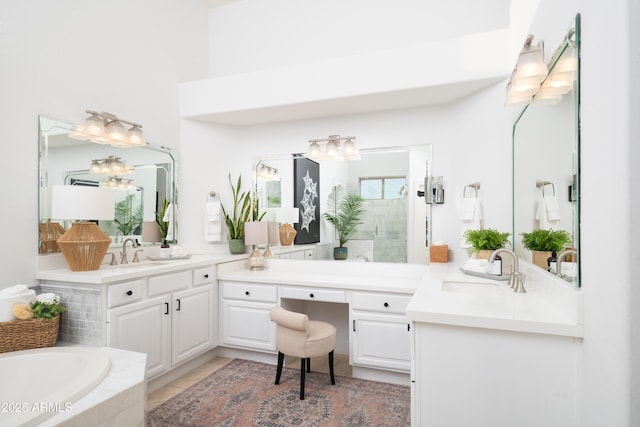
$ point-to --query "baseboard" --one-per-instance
(381, 375)
(255, 356)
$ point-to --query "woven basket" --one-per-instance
(25, 334)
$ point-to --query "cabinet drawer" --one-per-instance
(314, 294)
(124, 293)
(202, 276)
(246, 291)
(386, 303)
(169, 282)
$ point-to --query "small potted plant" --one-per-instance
(235, 219)
(484, 241)
(542, 243)
(345, 215)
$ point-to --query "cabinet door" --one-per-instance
(247, 324)
(381, 341)
(193, 323)
(143, 327)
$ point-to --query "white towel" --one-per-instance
(213, 222)
(468, 208)
(475, 223)
(542, 213)
(553, 209)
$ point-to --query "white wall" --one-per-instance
(61, 58)
(278, 33)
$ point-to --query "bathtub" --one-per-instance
(40, 383)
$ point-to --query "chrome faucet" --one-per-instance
(559, 259)
(123, 254)
(516, 281)
(364, 257)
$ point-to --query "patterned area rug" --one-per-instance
(243, 393)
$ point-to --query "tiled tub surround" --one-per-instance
(82, 321)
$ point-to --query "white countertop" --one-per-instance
(111, 274)
(537, 311)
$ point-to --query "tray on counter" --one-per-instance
(504, 277)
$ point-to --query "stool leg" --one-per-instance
(308, 364)
(333, 379)
(302, 370)
(280, 363)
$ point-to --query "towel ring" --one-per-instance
(542, 184)
(475, 186)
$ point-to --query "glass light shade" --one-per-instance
(517, 98)
(314, 150)
(349, 147)
(94, 126)
(531, 64)
(116, 132)
(135, 136)
(332, 149)
(95, 167)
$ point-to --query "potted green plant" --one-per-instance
(542, 243)
(484, 241)
(345, 214)
(235, 219)
(160, 215)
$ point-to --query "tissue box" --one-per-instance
(439, 253)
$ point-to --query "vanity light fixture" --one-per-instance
(335, 147)
(267, 173)
(106, 128)
(118, 182)
(528, 74)
(109, 166)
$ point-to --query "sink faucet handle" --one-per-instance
(123, 257)
(135, 255)
(113, 258)
(519, 286)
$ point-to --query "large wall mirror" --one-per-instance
(546, 158)
(395, 227)
(143, 179)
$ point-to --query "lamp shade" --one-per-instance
(81, 202)
(273, 232)
(256, 233)
(287, 215)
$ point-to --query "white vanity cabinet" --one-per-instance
(380, 334)
(173, 324)
(244, 315)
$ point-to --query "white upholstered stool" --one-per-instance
(298, 336)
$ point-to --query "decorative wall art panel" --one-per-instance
(306, 197)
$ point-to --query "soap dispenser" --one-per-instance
(551, 262)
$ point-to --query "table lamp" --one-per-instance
(256, 233)
(84, 244)
(286, 217)
(273, 237)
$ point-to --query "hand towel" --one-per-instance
(213, 222)
(474, 224)
(468, 208)
(542, 213)
(553, 209)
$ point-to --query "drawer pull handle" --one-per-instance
(310, 295)
(206, 276)
(166, 308)
(386, 304)
(129, 292)
(246, 293)
(178, 301)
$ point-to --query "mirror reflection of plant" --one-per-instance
(546, 240)
(162, 224)
(345, 213)
(127, 218)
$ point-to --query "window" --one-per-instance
(383, 187)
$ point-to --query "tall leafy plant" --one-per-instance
(345, 213)
(242, 210)
(162, 224)
(127, 217)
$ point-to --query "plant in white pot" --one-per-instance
(345, 213)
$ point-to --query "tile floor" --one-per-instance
(340, 365)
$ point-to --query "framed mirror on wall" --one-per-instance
(142, 178)
(546, 169)
(394, 228)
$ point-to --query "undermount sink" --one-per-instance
(145, 263)
(471, 288)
